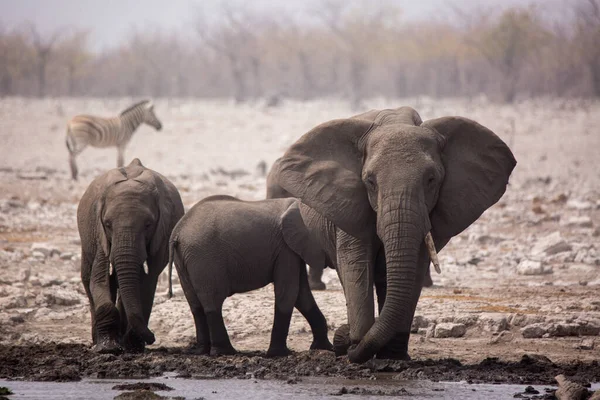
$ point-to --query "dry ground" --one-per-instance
(211, 147)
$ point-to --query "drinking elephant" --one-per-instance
(125, 218)
(224, 246)
(385, 180)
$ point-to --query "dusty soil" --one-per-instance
(523, 280)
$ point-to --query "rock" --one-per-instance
(419, 322)
(579, 205)
(534, 331)
(47, 249)
(569, 390)
(579, 222)
(588, 329)
(449, 329)
(563, 329)
(63, 297)
(531, 267)
(586, 344)
(66, 256)
(551, 244)
(493, 322)
(32, 175)
(38, 255)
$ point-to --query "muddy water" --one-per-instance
(264, 389)
(306, 388)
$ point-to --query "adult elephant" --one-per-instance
(125, 218)
(385, 180)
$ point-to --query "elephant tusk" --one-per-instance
(111, 269)
(145, 266)
(432, 252)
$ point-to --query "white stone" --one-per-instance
(419, 322)
(534, 331)
(63, 297)
(550, 244)
(448, 330)
(579, 205)
(38, 255)
(531, 267)
(580, 222)
(493, 322)
(45, 248)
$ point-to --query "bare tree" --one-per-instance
(507, 42)
(16, 56)
(74, 54)
(44, 46)
(587, 38)
(234, 39)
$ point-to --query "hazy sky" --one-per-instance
(110, 21)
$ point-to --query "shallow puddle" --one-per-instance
(307, 388)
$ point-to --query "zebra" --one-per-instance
(84, 130)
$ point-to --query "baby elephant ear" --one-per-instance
(477, 164)
(323, 169)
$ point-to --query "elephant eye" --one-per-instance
(431, 180)
(107, 224)
(371, 182)
(148, 224)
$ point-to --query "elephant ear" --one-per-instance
(102, 184)
(477, 164)
(298, 237)
(323, 169)
(170, 210)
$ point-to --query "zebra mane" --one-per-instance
(136, 105)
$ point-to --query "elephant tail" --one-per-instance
(172, 244)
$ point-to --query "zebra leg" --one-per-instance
(73, 165)
(120, 156)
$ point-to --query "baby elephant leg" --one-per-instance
(307, 305)
(286, 281)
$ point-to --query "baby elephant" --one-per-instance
(125, 218)
(224, 246)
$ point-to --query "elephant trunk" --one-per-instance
(129, 269)
(402, 228)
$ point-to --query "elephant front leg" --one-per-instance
(105, 315)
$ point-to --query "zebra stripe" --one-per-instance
(84, 130)
(88, 130)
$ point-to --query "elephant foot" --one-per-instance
(317, 285)
(133, 343)
(341, 340)
(321, 345)
(216, 351)
(395, 349)
(198, 349)
(107, 346)
(278, 352)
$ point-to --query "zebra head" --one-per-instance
(150, 117)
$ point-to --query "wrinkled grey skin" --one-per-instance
(315, 274)
(382, 180)
(224, 246)
(125, 218)
(274, 191)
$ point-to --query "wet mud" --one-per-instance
(73, 362)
